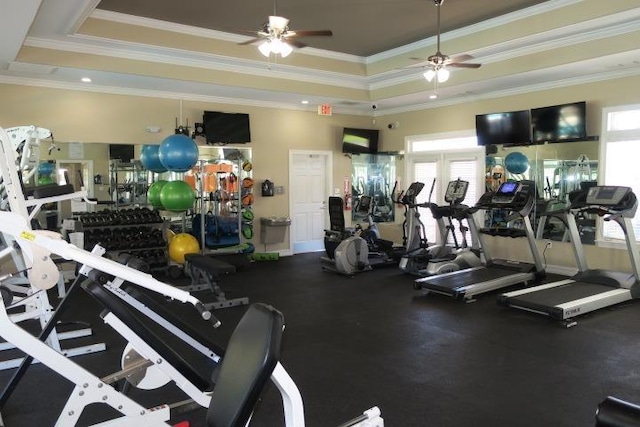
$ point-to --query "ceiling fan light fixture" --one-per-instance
(265, 48)
(443, 75)
(275, 46)
(278, 23)
(429, 75)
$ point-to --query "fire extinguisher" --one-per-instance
(347, 202)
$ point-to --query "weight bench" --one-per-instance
(614, 412)
(250, 359)
(205, 272)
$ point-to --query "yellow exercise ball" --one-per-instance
(182, 244)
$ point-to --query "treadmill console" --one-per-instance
(456, 191)
(506, 193)
(607, 195)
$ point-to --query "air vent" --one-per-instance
(25, 68)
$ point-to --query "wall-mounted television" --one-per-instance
(356, 141)
(510, 128)
(226, 128)
(122, 152)
(559, 123)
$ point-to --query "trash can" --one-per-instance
(273, 229)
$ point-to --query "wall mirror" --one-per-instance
(372, 180)
(557, 169)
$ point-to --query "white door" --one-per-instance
(310, 179)
(443, 168)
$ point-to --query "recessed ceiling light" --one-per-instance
(86, 80)
(305, 102)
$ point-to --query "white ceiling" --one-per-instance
(53, 24)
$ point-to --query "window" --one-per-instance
(620, 149)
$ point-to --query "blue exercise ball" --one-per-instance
(150, 158)
(490, 161)
(516, 162)
(178, 153)
(46, 168)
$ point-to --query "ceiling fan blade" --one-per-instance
(463, 65)
(251, 41)
(309, 33)
(296, 43)
(459, 58)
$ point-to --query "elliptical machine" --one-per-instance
(447, 258)
(414, 234)
(427, 260)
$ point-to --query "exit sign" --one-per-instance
(324, 109)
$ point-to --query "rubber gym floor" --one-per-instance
(352, 343)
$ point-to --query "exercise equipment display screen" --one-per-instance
(607, 195)
(456, 191)
(508, 189)
(506, 192)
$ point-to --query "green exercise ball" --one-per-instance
(177, 196)
(45, 180)
(153, 194)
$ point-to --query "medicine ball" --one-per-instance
(247, 182)
(247, 199)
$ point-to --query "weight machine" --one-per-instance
(146, 352)
(19, 158)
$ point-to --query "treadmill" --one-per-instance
(588, 290)
(517, 199)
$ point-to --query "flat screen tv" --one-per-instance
(122, 152)
(559, 123)
(356, 141)
(510, 128)
(226, 128)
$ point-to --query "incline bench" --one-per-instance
(251, 357)
(205, 272)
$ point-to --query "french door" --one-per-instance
(444, 167)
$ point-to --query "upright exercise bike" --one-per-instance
(347, 252)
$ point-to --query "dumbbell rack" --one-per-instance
(138, 231)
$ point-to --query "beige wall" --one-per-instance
(461, 117)
(105, 118)
(97, 118)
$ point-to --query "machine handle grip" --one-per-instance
(207, 315)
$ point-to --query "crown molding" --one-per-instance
(472, 29)
(210, 34)
(148, 93)
(583, 32)
(135, 51)
(520, 90)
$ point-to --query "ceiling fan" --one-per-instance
(277, 38)
(437, 63)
